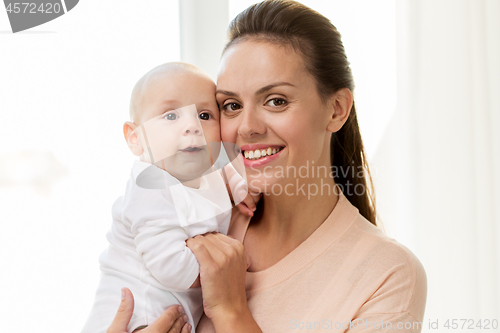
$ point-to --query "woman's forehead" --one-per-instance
(259, 62)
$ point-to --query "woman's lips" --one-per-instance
(261, 161)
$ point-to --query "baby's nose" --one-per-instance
(192, 128)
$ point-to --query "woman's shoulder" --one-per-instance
(401, 281)
(383, 246)
(365, 241)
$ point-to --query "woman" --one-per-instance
(317, 259)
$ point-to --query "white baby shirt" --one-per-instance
(147, 251)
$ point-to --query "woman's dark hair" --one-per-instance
(311, 34)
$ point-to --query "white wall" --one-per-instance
(203, 26)
(64, 94)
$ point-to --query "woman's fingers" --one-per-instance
(124, 313)
(172, 320)
(216, 248)
(186, 328)
(200, 248)
(220, 246)
(233, 247)
(215, 237)
(175, 325)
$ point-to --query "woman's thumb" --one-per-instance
(124, 313)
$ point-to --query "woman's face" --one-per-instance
(270, 104)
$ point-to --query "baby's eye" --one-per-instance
(171, 116)
(231, 107)
(205, 116)
(276, 102)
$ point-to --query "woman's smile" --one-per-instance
(257, 155)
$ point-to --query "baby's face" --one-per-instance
(178, 118)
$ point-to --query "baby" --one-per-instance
(177, 190)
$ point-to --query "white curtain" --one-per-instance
(437, 167)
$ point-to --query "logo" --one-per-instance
(26, 15)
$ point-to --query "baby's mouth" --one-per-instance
(191, 149)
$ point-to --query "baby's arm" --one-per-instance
(160, 239)
(238, 190)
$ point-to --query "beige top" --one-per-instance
(348, 276)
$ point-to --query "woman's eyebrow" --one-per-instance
(268, 87)
(260, 91)
(225, 92)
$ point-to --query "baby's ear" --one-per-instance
(130, 133)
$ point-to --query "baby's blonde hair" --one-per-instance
(168, 68)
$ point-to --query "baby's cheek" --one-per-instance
(212, 133)
(228, 131)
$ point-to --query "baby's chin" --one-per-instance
(189, 171)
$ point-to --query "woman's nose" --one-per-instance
(252, 123)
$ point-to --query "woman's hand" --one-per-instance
(170, 321)
(223, 264)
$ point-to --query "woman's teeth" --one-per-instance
(259, 153)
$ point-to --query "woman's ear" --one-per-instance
(341, 102)
(130, 133)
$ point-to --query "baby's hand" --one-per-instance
(248, 205)
(244, 198)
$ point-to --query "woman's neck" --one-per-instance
(287, 220)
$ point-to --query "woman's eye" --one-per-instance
(276, 102)
(231, 107)
(205, 116)
(171, 116)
